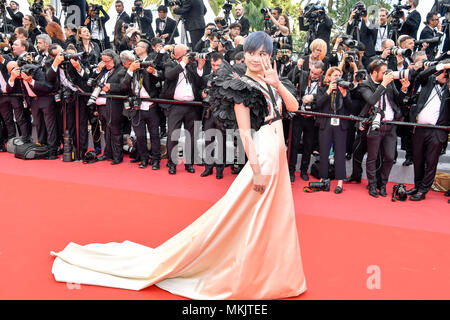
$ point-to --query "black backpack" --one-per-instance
(29, 151)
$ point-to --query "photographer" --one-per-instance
(193, 15)
(412, 22)
(165, 26)
(32, 79)
(68, 76)
(382, 100)
(282, 36)
(243, 21)
(303, 128)
(96, 25)
(88, 47)
(15, 14)
(211, 123)
(121, 13)
(204, 42)
(108, 77)
(430, 32)
(284, 61)
(318, 23)
(335, 99)
(11, 107)
(432, 108)
(383, 31)
(183, 82)
(29, 23)
(141, 81)
(142, 19)
(359, 29)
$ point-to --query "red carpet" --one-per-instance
(46, 204)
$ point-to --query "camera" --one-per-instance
(361, 11)
(350, 43)
(172, 3)
(345, 84)
(29, 69)
(320, 186)
(313, 11)
(133, 103)
(266, 11)
(432, 40)
(400, 75)
(285, 56)
(396, 51)
(193, 56)
(68, 56)
(352, 56)
(360, 75)
(428, 64)
(138, 7)
(280, 39)
(37, 8)
(399, 192)
(375, 119)
(95, 94)
(145, 64)
(96, 8)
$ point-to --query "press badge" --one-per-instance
(335, 122)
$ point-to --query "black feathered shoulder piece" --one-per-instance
(230, 87)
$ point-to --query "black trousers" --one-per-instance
(405, 133)
(44, 118)
(337, 137)
(426, 150)
(351, 132)
(178, 115)
(143, 120)
(71, 124)
(384, 141)
(195, 36)
(110, 117)
(213, 132)
(302, 127)
(11, 107)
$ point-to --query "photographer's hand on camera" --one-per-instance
(332, 87)
(387, 79)
(58, 60)
(106, 87)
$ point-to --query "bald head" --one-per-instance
(180, 50)
(11, 65)
(239, 9)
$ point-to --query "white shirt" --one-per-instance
(430, 114)
(381, 35)
(183, 90)
(142, 93)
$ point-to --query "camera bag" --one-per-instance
(14, 142)
(29, 151)
(315, 169)
(441, 182)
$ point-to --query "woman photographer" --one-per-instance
(29, 23)
(282, 35)
(86, 45)
(333, 99)
(119, 34)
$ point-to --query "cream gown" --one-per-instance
(244, 247)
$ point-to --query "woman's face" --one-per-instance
(335, 75)
(85, 34)
(26, 21)
(316, 53)
(282, 20)
(253, 60)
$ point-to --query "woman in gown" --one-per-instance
(246, 245)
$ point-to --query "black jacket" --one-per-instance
(411, 25)
(324, 106)
(16, 18)
(323, 29)
(169, 28)
(194, 13)
(172, 70)
(367, 36)
(124, 17)
(145, 23)
(149, 81)
(245, 25)
(372, 93)
(428, 33)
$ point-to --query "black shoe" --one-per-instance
(103, 158)
(189, 168)
(236, 170)
(60, 151)
(418, 196)
(208, 171)
(52, 157)
(352, 179)
(373, 191)
(292, 176)
(172, 169)
(219, 173)
(143, 164)
(447, 194)
(155, 165)
(2, 147)
(411, 192)
(338, 190)
(135, 160)
(348, 156)
(304, 176)
(114, 162)
(407, 163)
(162, 133)
(383, 192)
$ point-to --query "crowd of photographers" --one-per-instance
(61, 78)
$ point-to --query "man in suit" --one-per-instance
(121, 14)
(243, 21)
(193, 12)
(381, 97)
(182, 83)
(432, 109)
(69, 77)
(166, 26)
(362, 31)
(15, 14)
(411, 22)
(322, 26)
(383, 31)
(303, 126)
(142, 83)
(11, 107)
(429, 32)
(96, 26)
(143, 19)
(35, 85)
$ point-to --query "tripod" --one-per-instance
(186, 35)
(310, 36)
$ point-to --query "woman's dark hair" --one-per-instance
(118, 34)
(112, 54)
(256, 40)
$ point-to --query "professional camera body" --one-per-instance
(323, 185)
(361, 11)
(194, 56)
(286, 55)
(397, 14)
(145, 64)
(138, 9)
(37, 8)
(399, 193)
(313, 11)
(345, 84)
(172, 3)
